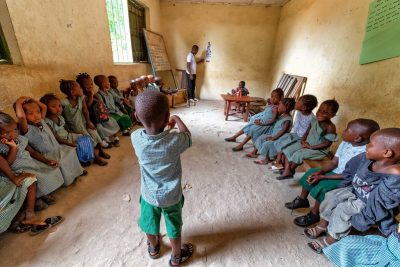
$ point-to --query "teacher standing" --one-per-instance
(191, 65)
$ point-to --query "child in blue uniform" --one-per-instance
(260, 123)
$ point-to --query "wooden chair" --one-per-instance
(183, 86)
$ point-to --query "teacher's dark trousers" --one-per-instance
(191, 86)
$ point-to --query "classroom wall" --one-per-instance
(321, 39)
(59, 39)
(242, 40)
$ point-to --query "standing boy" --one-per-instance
(158, 153)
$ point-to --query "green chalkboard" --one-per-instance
(382, 33)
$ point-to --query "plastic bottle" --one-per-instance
(208, 52)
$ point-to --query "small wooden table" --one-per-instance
(239, 99)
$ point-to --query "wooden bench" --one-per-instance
(177, 98)
(310, 164)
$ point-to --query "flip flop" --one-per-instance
(249, 155)
(230, 140)
(236, 149)
(50, 222)
(274, 168)
(186, 252)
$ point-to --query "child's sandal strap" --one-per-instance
(186, 253)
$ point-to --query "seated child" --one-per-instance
(241, 89)
(160, 84)
(77, 117)
(265, 142)
(146, 83)
(363, 251)
(316, 141)
(17, 189)
(106, 126)
(158, 152)
(152, 85)
(123, 120)
(260, 123)
(120, 101)
(56, 122)
(318, 181)
(371, 184)
(304, 107)
(31, 114)
(19, 155)
(140, 84)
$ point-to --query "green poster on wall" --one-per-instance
(382, 36)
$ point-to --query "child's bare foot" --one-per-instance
(230, 139)
(261, 161)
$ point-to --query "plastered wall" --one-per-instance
(242, 39)
(321, 39)
(58, 39)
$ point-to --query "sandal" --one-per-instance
(230, 140)
(237, 149)
(154, 252)
(312, 232)
(261, 162)
(250, 155)
(19, 228)
(318, 246)
(186, 253)
(50, 222)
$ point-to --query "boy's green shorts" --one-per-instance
(150, 217)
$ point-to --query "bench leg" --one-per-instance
(227, 110)
(246, 114)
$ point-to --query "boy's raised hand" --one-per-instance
(171, 123)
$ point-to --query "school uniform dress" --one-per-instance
(43, 140)
(350, 199)
(296, 153)
(48, 178)
(76, 120)
(59, 129)
(105, 128)
(255, 131)
(300, 126)
(267, 148)
(11, 199)
(123, 120)
(344, 153)
(365, 251)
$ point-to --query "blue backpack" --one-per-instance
(84, 149)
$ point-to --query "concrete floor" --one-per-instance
(233, 210)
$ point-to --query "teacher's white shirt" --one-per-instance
(191, 59)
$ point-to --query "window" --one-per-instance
(126, 22)
(4, 53)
